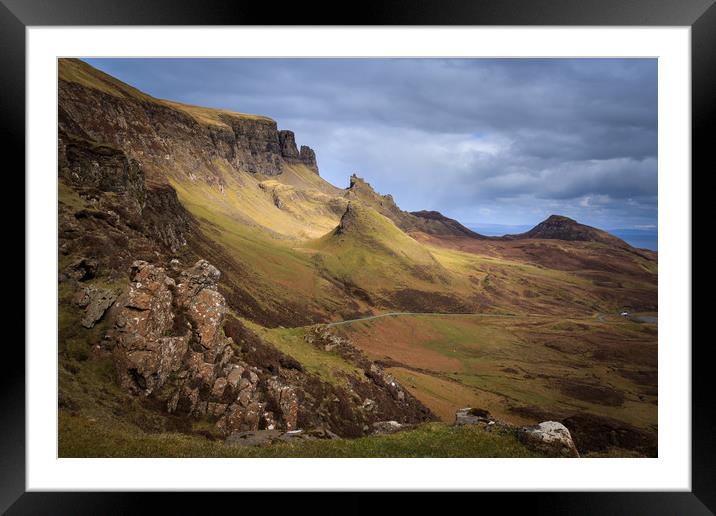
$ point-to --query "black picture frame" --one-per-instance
(700, 15)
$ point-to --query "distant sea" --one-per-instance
(643, 238)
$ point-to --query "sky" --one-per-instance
(486, 141)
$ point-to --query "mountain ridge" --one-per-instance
(268, 152)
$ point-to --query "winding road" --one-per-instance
(600, 317)
(394, 314)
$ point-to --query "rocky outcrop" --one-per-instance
(549, 437)
(386, 427)
(291, 154)
(253, 146)
(144, 354)
(169, 342)
(288, 145)
(81, 269)
(308, 158)
(483, 419)
(472, 416)
(431, 222)
(285, 399)
(360, 189)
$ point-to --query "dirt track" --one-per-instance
(395, 314)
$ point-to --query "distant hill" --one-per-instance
(559, 227)
(435, 223)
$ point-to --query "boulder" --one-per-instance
(96, 302)
(82, 269)
(549, 437)
(386, 427)
(472, 416)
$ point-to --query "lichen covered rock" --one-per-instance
(549, 437)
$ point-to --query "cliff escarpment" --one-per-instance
(170, 138)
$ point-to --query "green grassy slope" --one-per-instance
(77, 71)
(369, 253)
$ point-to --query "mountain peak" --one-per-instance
(560, 219)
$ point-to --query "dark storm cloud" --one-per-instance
(493, 140)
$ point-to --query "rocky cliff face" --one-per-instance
(109, 213)
(170, 138)
(291, 154)
(165, 219)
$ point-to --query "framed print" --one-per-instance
(441, 249)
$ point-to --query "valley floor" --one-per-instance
(521, 368)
